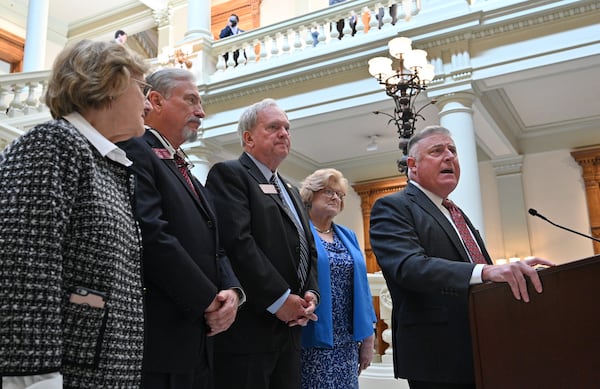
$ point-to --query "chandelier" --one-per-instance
(176, 57)
(403, 84)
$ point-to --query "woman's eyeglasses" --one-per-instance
(331, 193)
(144, 87)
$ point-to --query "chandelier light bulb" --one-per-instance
(415, 59)
(427, 73)
(399, 46)
(380, 67)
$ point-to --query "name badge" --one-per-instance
(268, 188)
(162, 153)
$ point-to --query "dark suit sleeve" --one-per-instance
(167, 264)
(414, 251)
(228, 278)
(261, 277)
(225, 32)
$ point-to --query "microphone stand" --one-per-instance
(533, 212)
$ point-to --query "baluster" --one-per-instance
(275, 46)
(360, 25)
(347, 30)
(263, 49)
(31, 102)
(285, 43)
(297, 40)
(42, 107)
(333, 32)
(310, 40)
(16, 105)
(221, 65)
(230, 60)
(251, 52)
(5, 90)
(322, 38)
(373, 21)
(386, 21)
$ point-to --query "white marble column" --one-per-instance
(198, 20)
(37, 31)
(199, 153)
(201, 166)
(456, 115)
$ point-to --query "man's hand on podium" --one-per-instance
(514, 274)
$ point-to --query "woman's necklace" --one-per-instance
(327, 231)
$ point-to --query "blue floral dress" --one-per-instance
(337, 367)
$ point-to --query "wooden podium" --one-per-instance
(551, 342)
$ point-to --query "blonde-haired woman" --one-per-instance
(71, 306)
(340, 344)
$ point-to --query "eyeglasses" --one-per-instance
(331, 193)
(144, 87)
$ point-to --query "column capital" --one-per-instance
(455, 101)
(162, 16)
(507, 166)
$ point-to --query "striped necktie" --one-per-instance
(303, 265)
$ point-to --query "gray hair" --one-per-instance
(425, 133)
(319, 180)
(165, 80)
(248, 117)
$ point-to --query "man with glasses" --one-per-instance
(191, 292)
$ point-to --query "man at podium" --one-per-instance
(430, 254)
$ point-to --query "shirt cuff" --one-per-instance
(273, 308)
(241, 295)
(476, 275)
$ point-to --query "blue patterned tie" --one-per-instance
(303, 265)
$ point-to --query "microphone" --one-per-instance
(533, 212)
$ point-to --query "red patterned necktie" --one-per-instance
(182, 166)
(465, 233)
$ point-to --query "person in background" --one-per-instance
(71, 302)
(191, 291)
(232, 28)
(266, 233)
(430, 253)
(120, 37)
(343, 336)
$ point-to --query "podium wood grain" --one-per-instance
(551, 342)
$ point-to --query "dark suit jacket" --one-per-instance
(227, 31)
(183, 268)
(427, 271)
(262, 243)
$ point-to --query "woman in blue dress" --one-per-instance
(338, 346)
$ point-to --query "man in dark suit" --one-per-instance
(232, 28)
(428, 266)
(266, 233)
(191, 292)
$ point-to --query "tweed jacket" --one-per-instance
(66, 221)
